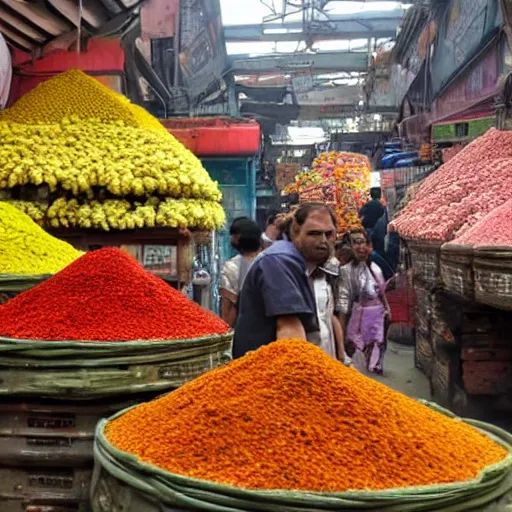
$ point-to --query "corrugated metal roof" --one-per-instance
(31, 24)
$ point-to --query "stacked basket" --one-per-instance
(457, 273)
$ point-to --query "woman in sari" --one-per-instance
(362, 304)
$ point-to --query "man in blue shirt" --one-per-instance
(276, 300)
(373, 210)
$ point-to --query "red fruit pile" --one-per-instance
(105, 296)
(494, 230)
(462, 191)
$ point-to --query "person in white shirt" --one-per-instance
(246, 238)
(271, 233)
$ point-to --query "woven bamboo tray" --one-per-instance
(493, 276)
(456, 270)
(136, 486)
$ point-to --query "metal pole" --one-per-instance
(177, 35)
(80, 12)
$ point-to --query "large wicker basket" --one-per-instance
(456, 270)
(425, 257)
(493, 276)
(91, 369)
(14, 284)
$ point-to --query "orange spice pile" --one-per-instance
(290, 417)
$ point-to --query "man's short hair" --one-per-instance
(272, 218)
(250, 236)
(376, 193)
(234, 229)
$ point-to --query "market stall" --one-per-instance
(135, 185)
(457, 229)
(100, 335)
(228, 149)
(82, 169)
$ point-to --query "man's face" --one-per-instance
(360, 247)
(315, 238)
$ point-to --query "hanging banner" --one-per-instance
(339, 95)
(5, 72)
(477, 85)
(302, 82)
(203, 58)
(158, 18)
(466, 24)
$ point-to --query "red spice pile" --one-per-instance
(105, 296)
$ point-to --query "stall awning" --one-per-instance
(31, 26)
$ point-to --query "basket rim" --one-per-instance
(6, 341)
(310, 496)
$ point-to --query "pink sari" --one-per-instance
(365, 329)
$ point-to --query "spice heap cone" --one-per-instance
(100, 161)
(462, 191)
(288, 416)
(493, 230)
(25, 248)
(105, 296)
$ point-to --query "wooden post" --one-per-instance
(185, 258)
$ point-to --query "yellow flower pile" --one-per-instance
(36, 210)
(121, 214)
(25, 248)
(79, 138)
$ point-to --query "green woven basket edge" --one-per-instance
(485, 474)
(81, 344)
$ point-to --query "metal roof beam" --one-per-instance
(319, 62)
(378, 24)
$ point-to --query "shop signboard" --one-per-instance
(161, 260)
(465, 25)
(203, 58)
(339, 95)
(479, 83)
(448, 132)
(302, 82)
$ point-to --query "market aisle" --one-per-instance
(401, 374)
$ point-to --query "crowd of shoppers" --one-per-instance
(295, 281)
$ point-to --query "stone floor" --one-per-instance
(401, 374)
